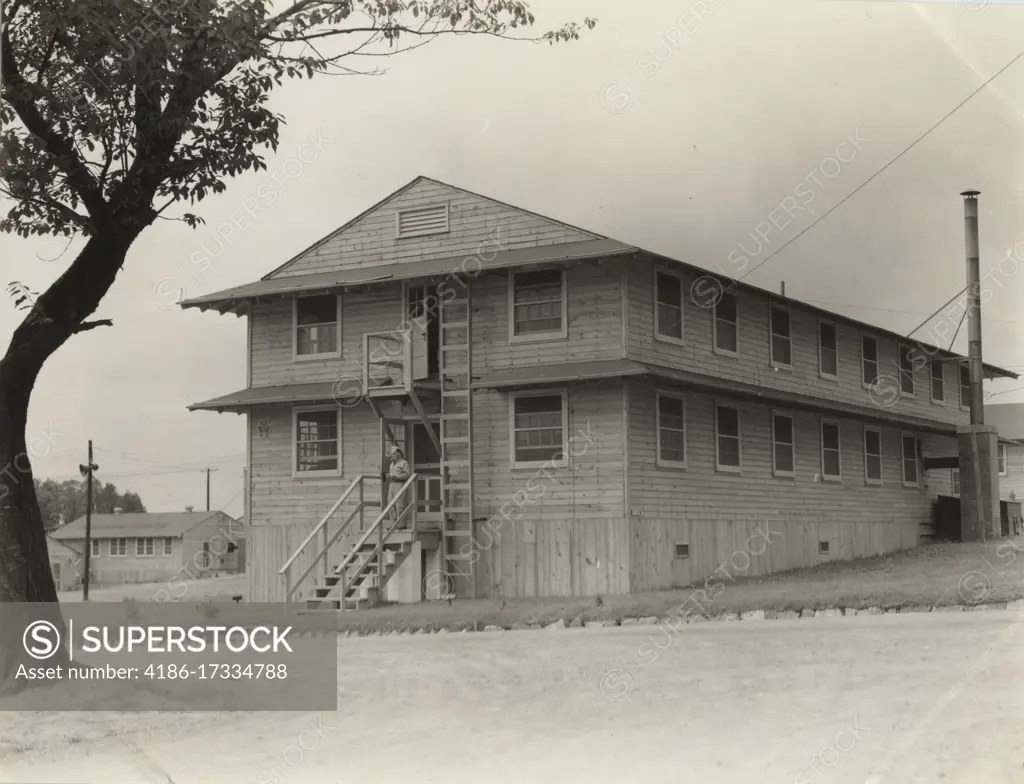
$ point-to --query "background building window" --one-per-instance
(869, 359)
(910, 457)
(906, 369)
(938, 381)
(144, 546)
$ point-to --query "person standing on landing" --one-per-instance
(398, 474)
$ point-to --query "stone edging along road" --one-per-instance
(676, 620)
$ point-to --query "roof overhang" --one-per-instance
(244, 399)
(236, 300)
(572, 372)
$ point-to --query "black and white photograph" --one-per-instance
(401, 391)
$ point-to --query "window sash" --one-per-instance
(954, 481)
(1001, 458)
(538, 435)
(938, 381)
(316, 441)
(828, 349)
(537, 307)
(95, 546)
(781, 337)
(671, 430)
(728, 449)
(909, 461)
(873, 455)
(831, 451)
(145, 546)
(168, 546)
(727, 324)
(869, 360)
(314, 333)
(906, 371)
(669, 298)
(783, 446)
(119, 546)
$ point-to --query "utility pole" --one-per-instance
(974, 366)
(208, 470)
(87, 471)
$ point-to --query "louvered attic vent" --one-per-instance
(422, 220)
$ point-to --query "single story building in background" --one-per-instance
(1008, 419)
(66, 563)
(154, 547)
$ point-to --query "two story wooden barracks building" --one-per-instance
(582, 416)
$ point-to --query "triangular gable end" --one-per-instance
(428, 219)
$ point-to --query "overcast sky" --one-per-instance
(678, 133)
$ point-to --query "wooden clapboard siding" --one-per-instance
(753, 365)
(477, 226)
(554, 531)
(594, 312)
(272, 359)
(1013, 482)
(714, 512)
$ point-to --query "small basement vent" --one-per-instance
(420, 221)
(682, 551)
(823, 548)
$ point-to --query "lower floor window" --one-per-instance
(831, 458)
(909, 460)
(144, 546)
(316, 441)
(119, 546)
(727, 438)
(538, 428)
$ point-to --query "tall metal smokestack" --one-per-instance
(973, 306)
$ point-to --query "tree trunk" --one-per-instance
(58, 314)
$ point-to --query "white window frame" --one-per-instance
(730, 469)
(870, 480)
(1001, 457)
(111, 548)
(903, 460)
(296, 356)
(839, 449)
(792, 432)
(772, 307)
(94, 547)
(939, 401)
(912, 375)
(296, 473)
(821, 366)
(168, 550)
(962, 367)
(536, 337)
(864, 382)
(139, 547)
(512, 398)
(422, 232)
(714, 325)
(661, 462)
(682, 308)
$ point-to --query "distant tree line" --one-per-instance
(63, 502)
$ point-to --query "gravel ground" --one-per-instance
(898, 699)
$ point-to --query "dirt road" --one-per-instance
(872, 700)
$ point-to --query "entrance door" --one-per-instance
(426, 462)
(421, 311)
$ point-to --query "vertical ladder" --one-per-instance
(456, 440)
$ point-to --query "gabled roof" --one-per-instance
(57, 547)
(235, 300)
(1007, 418)
(137, 524)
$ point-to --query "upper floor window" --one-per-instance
(726, 317)
(782, 341)
(1002, 459)
(872, 456)
(317, 326)
(119, 546)
(783, 458)
(965, 387)
(537, 304)
(906, 369)
(831, 457)
(671, 425)
(938, 381)
(317, 441)
(869, 359)
(828, 349)
(144, 546)
(538, 428)
(910, 459)
(727, 438)
(668, 314)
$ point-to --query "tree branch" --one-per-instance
(85, 326)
